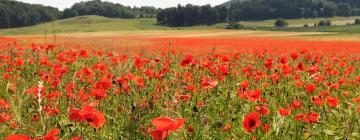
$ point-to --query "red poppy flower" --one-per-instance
(251, 121)
(208, 83)
(263, 110)
(311, 88)
(311, 117)
(75, 114)
(186, 97)
(4, 117)
(317, 100)
(94, 118)
(4, 104)
(253, 95)
(296, 104)
(332, 101)
(283, 60)
(103, 84)
(53, 95)
(268, 63)
(98, 93)
(88, 114)
(300, 117)
(356, 100)
(266, 128)
(76, 138)
(188, 59)
(18, 137)
(245, 84)
(158, 134)
(164, 125)
(284, 112)
(294, 55)
(51, 135)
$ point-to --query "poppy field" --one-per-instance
(178, 88)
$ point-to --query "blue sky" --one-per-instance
(61, 4)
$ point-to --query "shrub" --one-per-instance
(324, 23)
(357, 21)
(233, 25)
(281, 23)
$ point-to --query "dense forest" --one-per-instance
(17, 14)
(108, 9)
(237, 10)
(192, 15)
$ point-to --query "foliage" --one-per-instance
(190, 15)
(239, 10)
(17, 14)
(357, 21)
(108, 9)
(281, 23)
(325, 23)
(233, 25)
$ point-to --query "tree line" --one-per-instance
(192, 15)
(256, 10)
(18, 14)
(108, 9)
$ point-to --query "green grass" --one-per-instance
(340, 25)
(300, 22)
(338, 29)
(95, 24)
(87, 24)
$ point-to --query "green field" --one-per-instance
(94, 24)
(86, 24)
(300, 22)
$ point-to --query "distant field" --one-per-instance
(301, 22)
(94, 24)
(85, 24)
(102, 26)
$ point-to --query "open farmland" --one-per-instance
(173, 84)
(228, 70)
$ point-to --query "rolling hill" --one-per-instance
(86, 24)
(93, 23)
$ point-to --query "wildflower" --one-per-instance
(18, 137)
(332, 101)
(164, 126)
(284, 112)
(188, 59)
(310, 88)
(251, 121)
(4, 104)
(317, 100)
(253, 95)
(208, 83)
(88, 114)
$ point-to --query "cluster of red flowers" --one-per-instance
(88, 114)
(260, 92)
